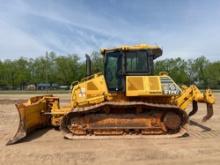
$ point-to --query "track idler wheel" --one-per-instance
(172, 121)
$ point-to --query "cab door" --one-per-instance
(113, 71)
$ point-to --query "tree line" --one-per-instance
(51, 68)
(199, 71)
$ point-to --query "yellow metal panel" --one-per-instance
(89, 91)
(153, 48)
(135, 83)
(143, 86)
(154, 83)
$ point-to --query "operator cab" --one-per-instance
(128, 61)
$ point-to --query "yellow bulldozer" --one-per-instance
(126, 100)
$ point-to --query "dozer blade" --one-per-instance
(31, 117)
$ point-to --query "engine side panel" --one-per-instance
(90, 91)
(151, 86)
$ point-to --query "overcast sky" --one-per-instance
(186, 29)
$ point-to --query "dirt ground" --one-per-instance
(49, 147)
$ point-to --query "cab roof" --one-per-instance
(153, 50)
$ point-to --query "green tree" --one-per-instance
(22, 72)
(10, 74)
(97, 62)
(197, 70)
(176, 68)
(43, 69)
(67, 69)
(213, 75)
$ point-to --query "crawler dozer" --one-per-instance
(127, 99)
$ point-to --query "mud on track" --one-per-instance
(49, 147)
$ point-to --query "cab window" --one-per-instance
(137, 62)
